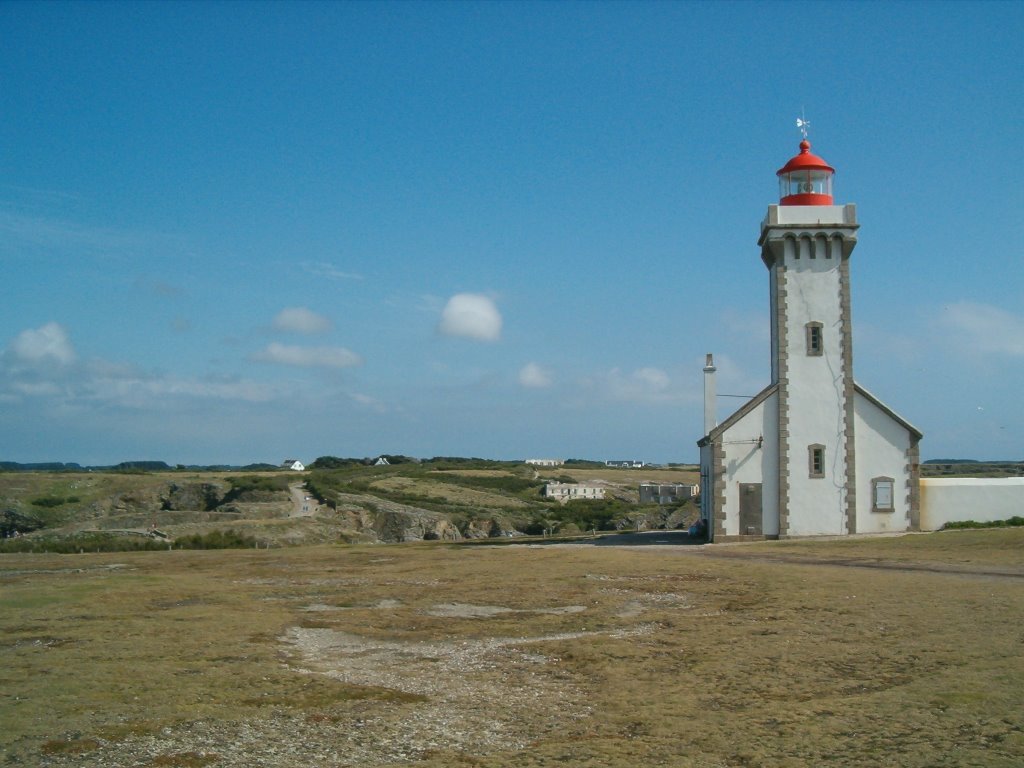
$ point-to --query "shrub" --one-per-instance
(229, 539)
(49, 502)
(1014, 522)
(12, 523)
(107, 542)
(255, 485)
(333, 462)
(591, 514)
(72, 545)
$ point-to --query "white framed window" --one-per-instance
(816, 460)
(815, 339)
(882, 494)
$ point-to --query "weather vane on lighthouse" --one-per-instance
(803, 124)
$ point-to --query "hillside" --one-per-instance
(440, 499)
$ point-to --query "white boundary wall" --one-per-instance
(945, 500)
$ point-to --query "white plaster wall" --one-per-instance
(811, 215)
(945, 500)
(706, 481)
(745, 462)
(882, 444)
(816, 398)
(773, 313)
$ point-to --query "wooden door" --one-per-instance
(750, 509)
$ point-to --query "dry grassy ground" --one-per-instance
(900, 651)
(630, 478)
(446, 493)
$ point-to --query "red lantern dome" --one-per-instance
(806, 179)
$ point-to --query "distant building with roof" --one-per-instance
(573, 491)
(667, 493)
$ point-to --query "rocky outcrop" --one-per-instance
(391, 522)
(660, 519)
(14, 523)
(141, 501)
(413, 524)
(489, 528)
(200, 497)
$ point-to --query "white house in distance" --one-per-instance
(293, 464)
(814, 453)
(546, 462)
(573, 491)
(667, 493)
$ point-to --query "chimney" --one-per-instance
(709, 395)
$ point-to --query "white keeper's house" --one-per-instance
(814, 453)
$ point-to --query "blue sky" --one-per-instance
(237, 232)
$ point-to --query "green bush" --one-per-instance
(1014, 522)
(254, 485)
(333, 462)
(92, 542)
(49, 502)
(109, 542)
(229, 539)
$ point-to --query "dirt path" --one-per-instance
(303, 505)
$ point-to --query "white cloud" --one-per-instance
(324, 269)
(644, 385)
(142, 391)
(984, 328)
(369, 402)
(301, 320)
(35, 388)
(308, 357)
(534, 376)
(85, 384)
(653, 379)
(470, 316)
(48, 343)
(56, 233)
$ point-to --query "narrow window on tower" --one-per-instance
(816, 460)
(815, 342)
(882, 494)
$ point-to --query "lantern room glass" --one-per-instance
(805, 182)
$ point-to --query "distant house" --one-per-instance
(667, 493)
(546, 462)
(627, 464)
(382, 462)
(294, 464)
(573, 491)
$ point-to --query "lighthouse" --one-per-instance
(813, 453)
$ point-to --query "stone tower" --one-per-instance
(814, 453)
(806, 242)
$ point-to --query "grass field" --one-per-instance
(903, 651)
